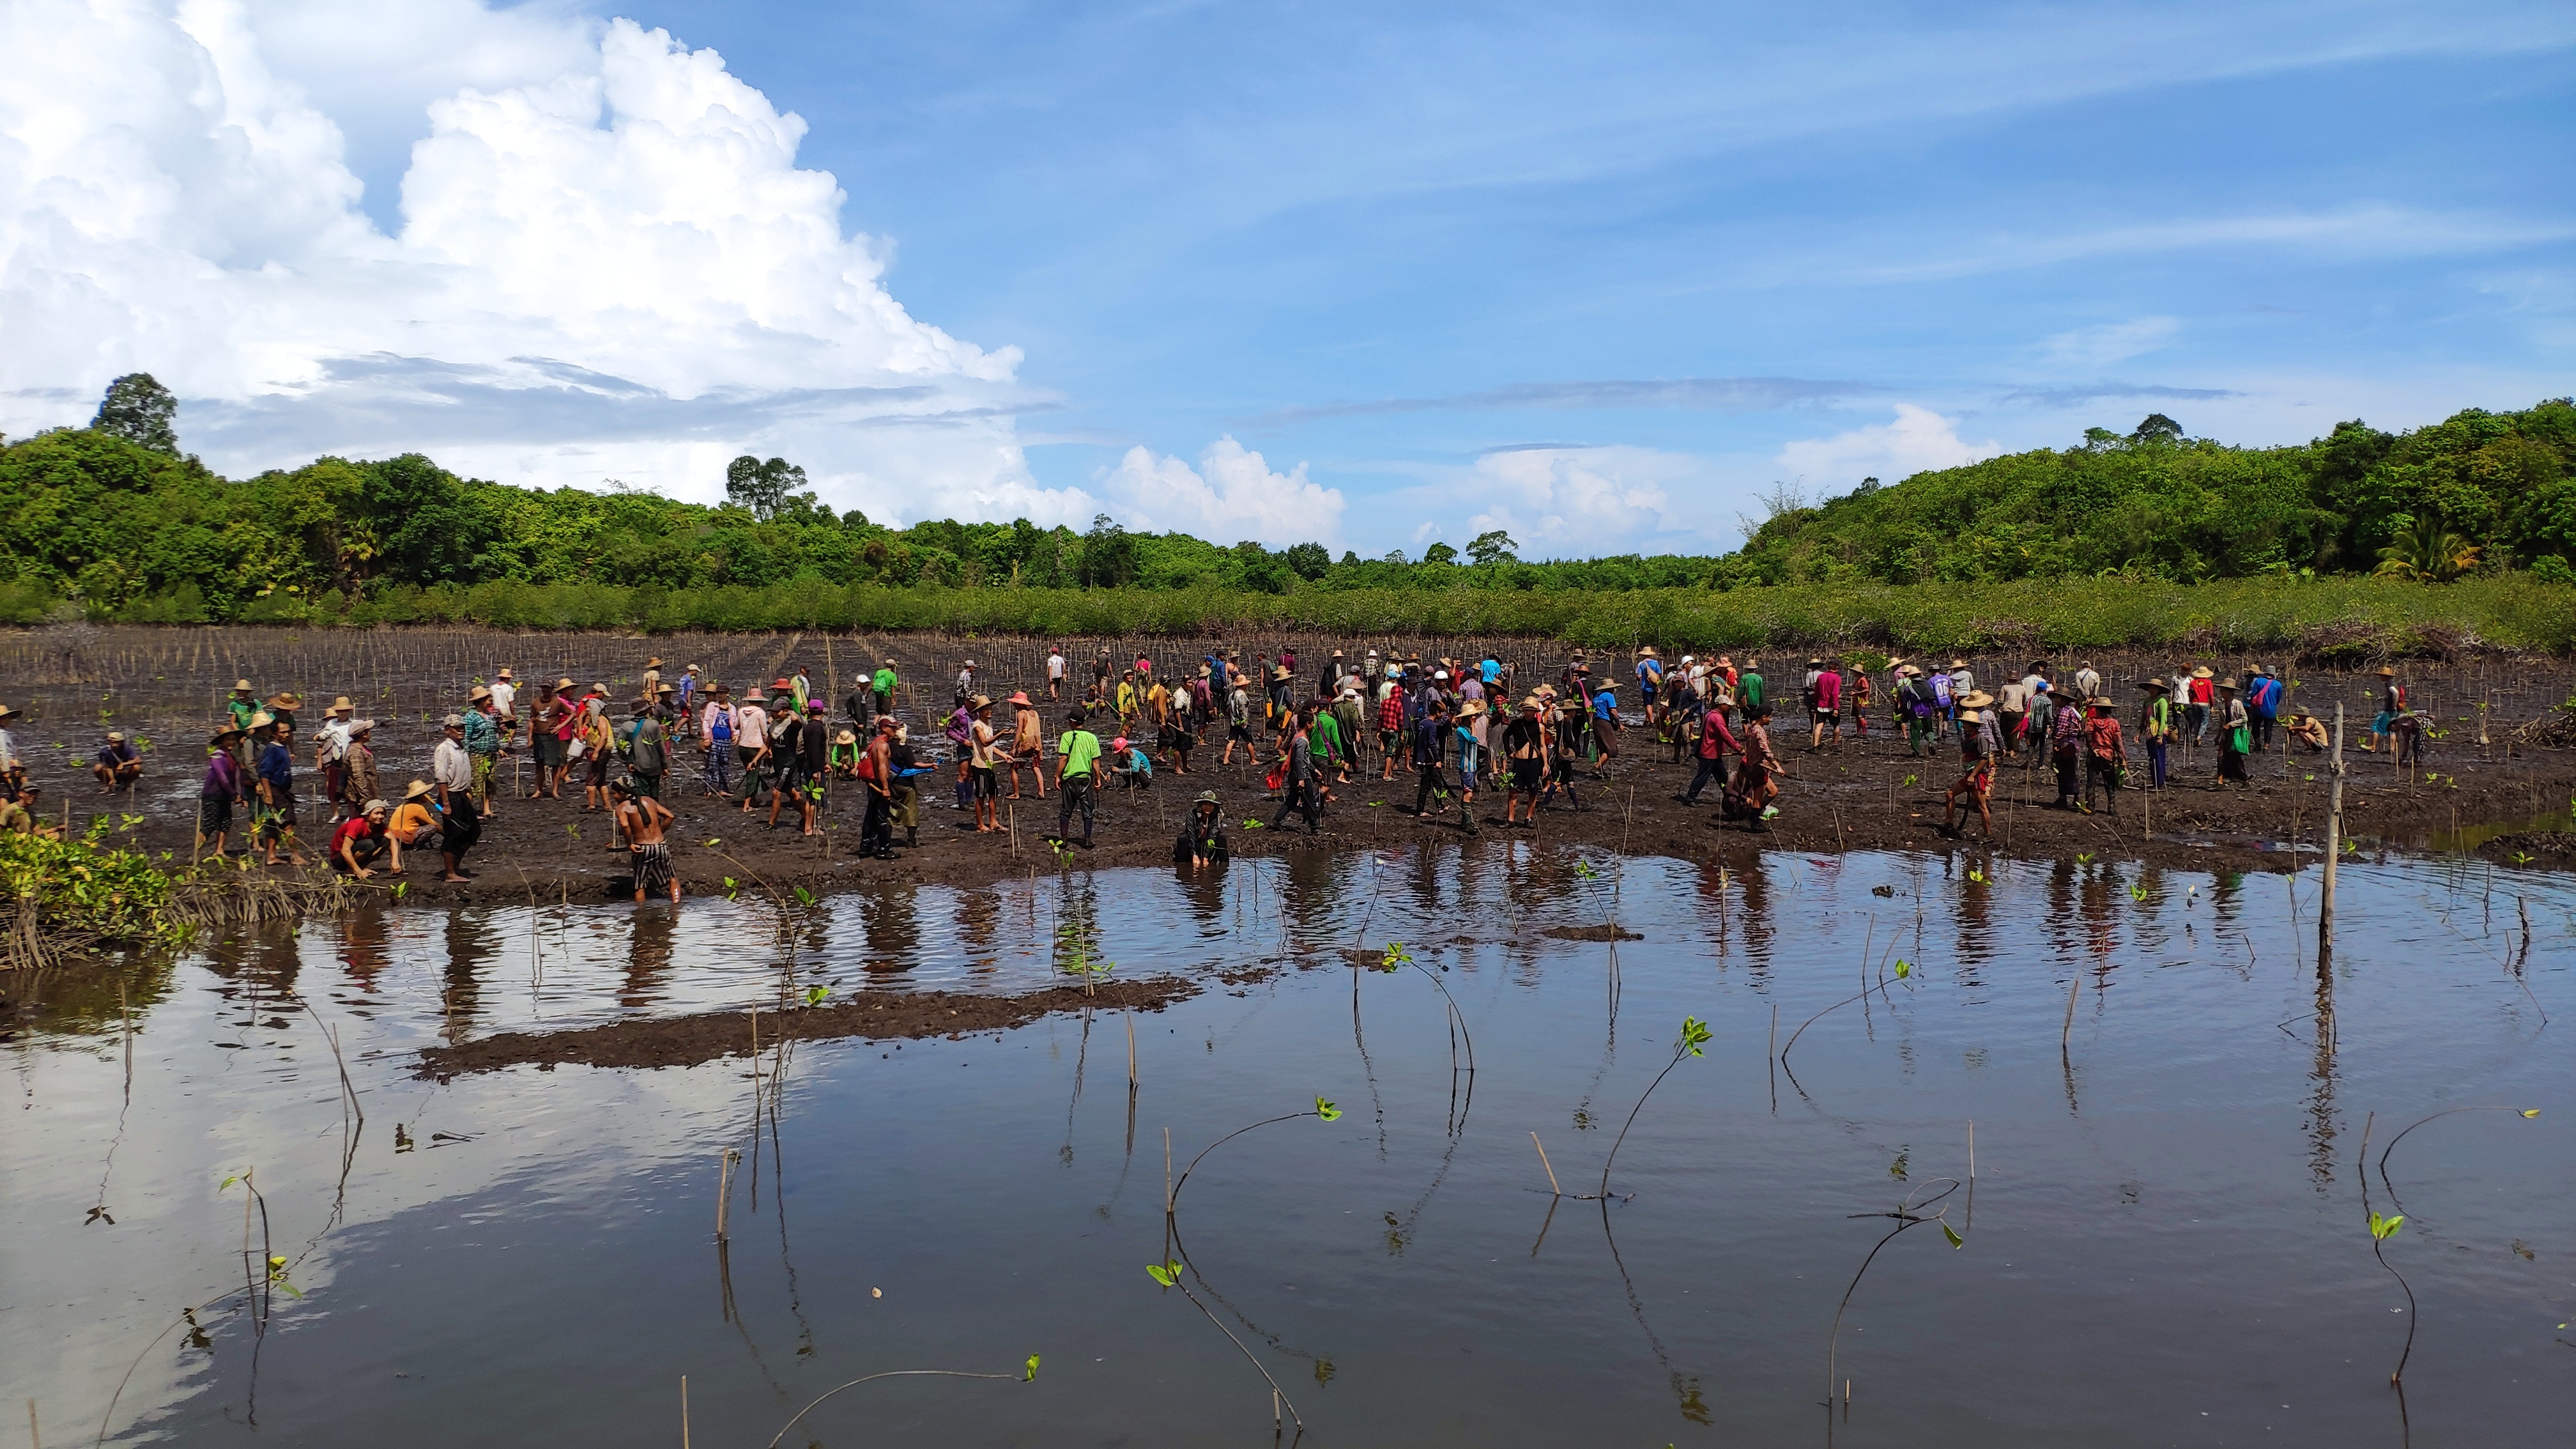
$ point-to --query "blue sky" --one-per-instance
(1605, 276)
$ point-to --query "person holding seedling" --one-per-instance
(482, 743)
(1202, 841)
(118, 765)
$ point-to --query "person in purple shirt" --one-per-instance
(223, 784)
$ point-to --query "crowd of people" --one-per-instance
(1460, 726)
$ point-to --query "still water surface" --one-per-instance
(2168, 1242)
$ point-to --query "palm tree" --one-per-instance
(2425, 551)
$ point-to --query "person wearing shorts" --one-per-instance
(984, 748)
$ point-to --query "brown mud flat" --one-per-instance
(166, 685)
(682, 1041)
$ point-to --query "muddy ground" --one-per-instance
(166, 686)
(713, 1035)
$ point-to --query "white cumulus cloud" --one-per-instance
(1565, 502)
(1918, 440)
(1232, 495)
(609, 263)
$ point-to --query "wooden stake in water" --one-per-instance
(684, 1411)
(1543, 1162)
(2334, 844)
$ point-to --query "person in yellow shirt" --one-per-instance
(415, 823)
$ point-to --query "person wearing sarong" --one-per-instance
(641, 818)
(2235, 734)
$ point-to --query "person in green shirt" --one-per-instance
(1329, 751)
(882, 685)
(1748, 688)
(1077, 752)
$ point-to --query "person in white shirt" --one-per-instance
(505, 697)
(1055, 672)
(451, 771)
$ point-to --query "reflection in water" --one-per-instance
(898, 1163)
(890, 923)
(471, 943)
(648, 957)
(365, 940)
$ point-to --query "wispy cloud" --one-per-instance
(2067, 397)
(1706, 394)
(2377, 231)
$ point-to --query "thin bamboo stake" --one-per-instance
(1543, 1162)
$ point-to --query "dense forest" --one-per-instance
(115, 518)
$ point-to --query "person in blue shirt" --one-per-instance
(1492, 669)
(1605, 718)
(273, 809)
(1430, 754)
(2263, 706)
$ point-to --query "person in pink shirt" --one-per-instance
(1825, 703)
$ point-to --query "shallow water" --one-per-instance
(2168, 1242)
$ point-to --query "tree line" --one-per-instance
(116, 517)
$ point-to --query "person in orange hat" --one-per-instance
(1028, 743)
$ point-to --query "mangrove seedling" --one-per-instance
(814, 995)
(1694, 1036)
(1030, 1375)
(1167, 1272)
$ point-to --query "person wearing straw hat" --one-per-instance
(842, 762)
(2196, 713)
(1202, 839)
(118, 764)
(2066, 743)
(2155, 728)
(1471, 730)
(505, 699)
(641, 819)
(223, 785)
(359, 841)
(284, 705)
(557, 725)
(1978, 746)
(330, 744)
(2235, 734)
(984, 750)
(2392, 707)
(272, 815)
(358, 760)
(482, 744)
(652, 674)
(242, 705)
(415, 822)
(1918, 705)
(2106, 755)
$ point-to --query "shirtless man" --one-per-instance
(641, 818)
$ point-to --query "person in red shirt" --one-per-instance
(360, 840)
(1825, 704)
(2106, 757)
(1716, 742)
